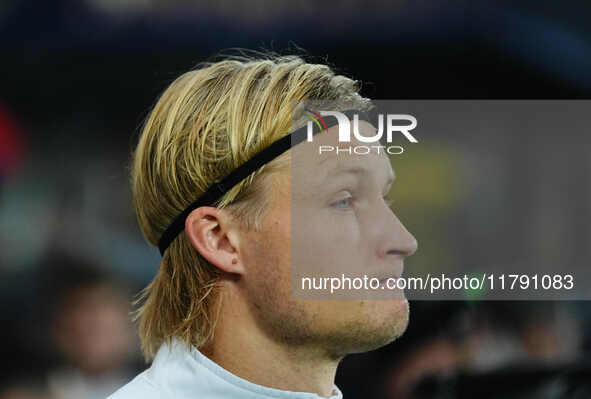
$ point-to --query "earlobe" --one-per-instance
(209, 231)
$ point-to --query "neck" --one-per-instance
(246, 351)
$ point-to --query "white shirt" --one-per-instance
(66, 383)
(180, 373)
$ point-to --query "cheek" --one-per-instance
(267, 253)
(326, 243)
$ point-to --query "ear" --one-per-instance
(212, 232)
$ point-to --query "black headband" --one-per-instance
(217, 190)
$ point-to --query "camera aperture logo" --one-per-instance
(344, 124)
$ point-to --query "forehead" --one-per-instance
(312, 168)
(377, 165)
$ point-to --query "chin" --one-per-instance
(394, 318)
(383, 322)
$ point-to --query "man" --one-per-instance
(213, 188)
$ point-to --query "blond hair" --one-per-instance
(205, 124)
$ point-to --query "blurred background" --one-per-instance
(78, 77)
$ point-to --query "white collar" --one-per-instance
(180, 370)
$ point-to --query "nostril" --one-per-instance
(406, 249)
(395, 252)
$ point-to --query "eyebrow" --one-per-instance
(357, 170)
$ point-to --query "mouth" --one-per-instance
(394, 272)
(390, 277)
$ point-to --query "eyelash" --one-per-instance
(389, 201)
(340, 201)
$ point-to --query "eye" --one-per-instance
(345, 203)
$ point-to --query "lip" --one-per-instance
(397, 273)
(385, 279)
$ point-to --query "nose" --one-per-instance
(407, 248)
(398, 240)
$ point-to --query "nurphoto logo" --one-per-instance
(344, 123)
